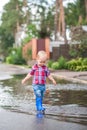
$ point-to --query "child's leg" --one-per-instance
(38, 100)
(39, 91)
(42, 96)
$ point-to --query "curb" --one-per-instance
(74, 80)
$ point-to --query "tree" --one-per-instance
(77, 12)
(79, 36)
(44, 17)
(62, 24)
(13, 16)
(56, 29)
(6, 41)
(27, 13)
(59, 20)
(31, 32)
(86, 9)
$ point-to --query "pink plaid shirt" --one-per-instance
(39, 74)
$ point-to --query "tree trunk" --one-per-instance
(60, 22)
(63, 26)
(80, 19)
(86, 9)
(56, 20)
(17, 27)
(26, 12)
(17, 23)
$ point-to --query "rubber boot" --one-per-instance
(39, 103)
(39, 107)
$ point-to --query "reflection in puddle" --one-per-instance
(65, 102)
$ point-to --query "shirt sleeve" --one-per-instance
(47, 72)
(32, 71)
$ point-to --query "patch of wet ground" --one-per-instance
(65, 103)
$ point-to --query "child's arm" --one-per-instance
(52, 79)
(26, 78)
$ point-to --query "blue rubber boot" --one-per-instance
(40, 114)
(39, 103)
(43, 109)
(39, 107)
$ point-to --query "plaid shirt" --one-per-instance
(39, 74)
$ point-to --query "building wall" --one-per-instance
(40, 44)
(54, 50)
(25, 50)
(62, 50)
(36, 45)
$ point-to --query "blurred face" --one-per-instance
(41, 62)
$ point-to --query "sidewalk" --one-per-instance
(6, 72)
(76, 77)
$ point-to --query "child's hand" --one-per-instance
(52, 79)
(54, 82)
(23, 81)
(26, 78)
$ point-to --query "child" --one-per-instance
(39, 72)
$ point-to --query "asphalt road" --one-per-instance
(20, 121)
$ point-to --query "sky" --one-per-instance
(67, 1)
(3, 2)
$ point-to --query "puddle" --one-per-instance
(64, 102)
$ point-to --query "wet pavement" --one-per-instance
(6, 72)
(19, 121)
(65, 106)
(75, 77)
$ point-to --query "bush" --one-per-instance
(9, 59)
(81, 68)
(55, 65)
(79, 61)
(84, 62)
(77, 64)
(15, 57)
(62, 62)
(71, 65)
(49, 64)
(73, 53)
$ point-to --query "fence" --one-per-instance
(59, 48)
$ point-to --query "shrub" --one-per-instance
(15, 57)
(62, 62)
(81, 68)
(79, 61)
(9, 59)
(84, 62)
(77, 64)
(49, 64)
(55, 65)
(71, 65)
(73, 53)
